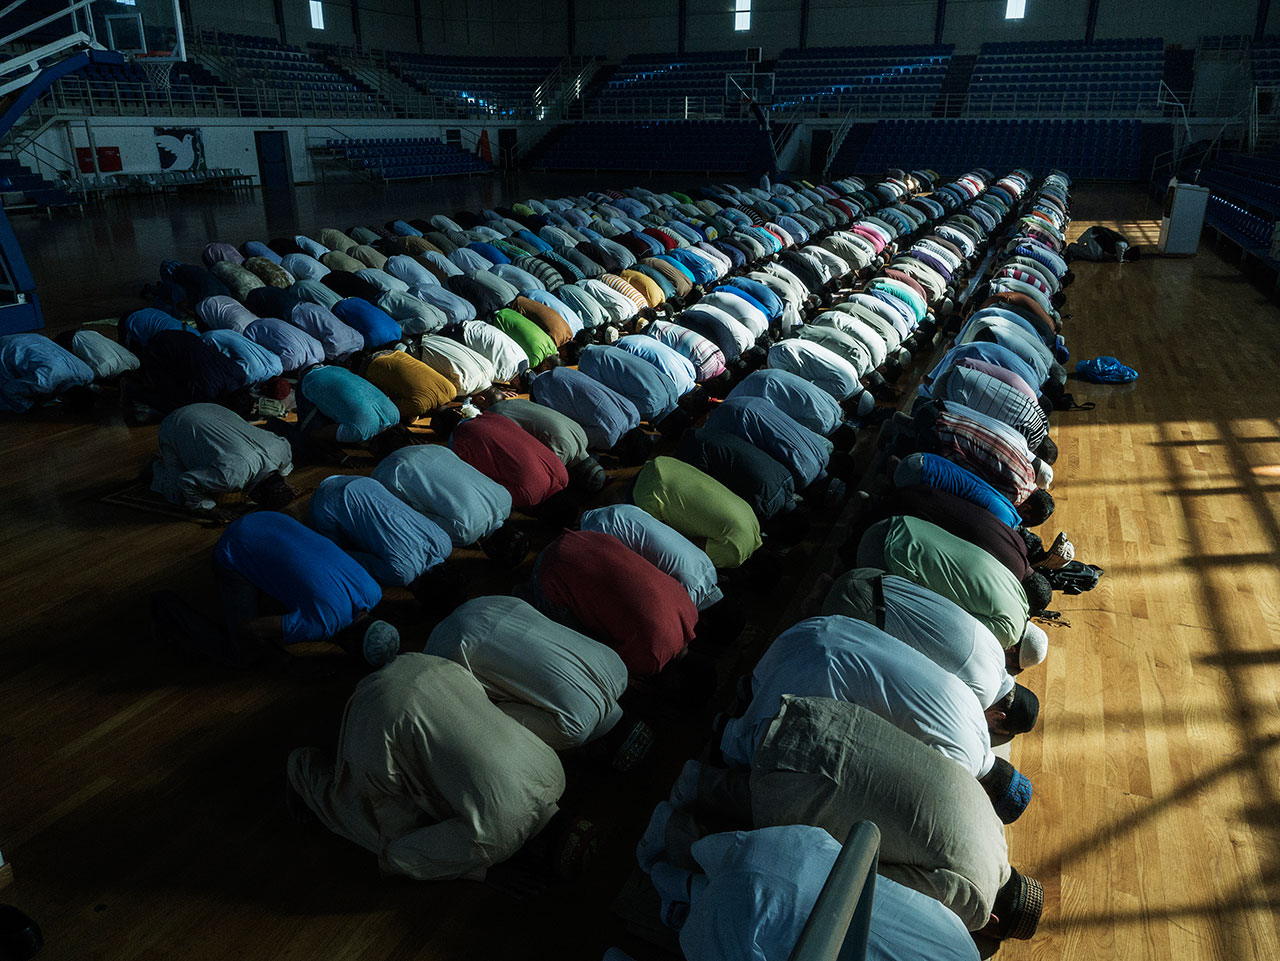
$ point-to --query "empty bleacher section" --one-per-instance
(1244, 202)
(1089, 149)
(661, 83)
(1068, 77)
(496, 86)
(726, 146)
(407, 158)
(288, 70)
(874, 81)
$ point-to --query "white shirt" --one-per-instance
(471, 372)
(940, 629)
(850, 660)
(105, 357)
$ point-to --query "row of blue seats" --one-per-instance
(1249, 190)
(381, 142)
(1251, 231)
(891, 50)
(1058, 46)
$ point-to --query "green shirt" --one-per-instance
(533, 340)
(960, 571)
(699, 506)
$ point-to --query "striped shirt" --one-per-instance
(989, 395)
(987, 452)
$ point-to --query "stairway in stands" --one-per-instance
(17, 179)
(850, 153)
(955, 85)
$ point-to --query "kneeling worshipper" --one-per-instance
(415, 388)
(561, 685)
(505, 452)
(806, 454)
(338, 408)
(107, 359)
(207, 450)
(35, 370)
(965, 573)
(989, 448)
(830, 764)
(179, 367)
(653, 393)
(700, 508)
(137, 327)
(593, 582)
(564, 435)
(438, 782)
(949, 636)
(466, 504)
(280, 583)
(720, 619)
(747, 895)
(849, 660)
(963, 518)
(800, 400)
(610, 421)
(388, 538)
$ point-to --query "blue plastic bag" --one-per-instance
(1105, 370)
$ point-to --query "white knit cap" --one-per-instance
(1035, 646)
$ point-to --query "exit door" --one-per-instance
(274, 167)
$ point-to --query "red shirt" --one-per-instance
(505, 452)
(643, 613)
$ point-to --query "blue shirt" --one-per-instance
(762, 425)
(559, 306)
(678, 368)
(360, 409)
(662, 546)
(799, 399)
(323, 588)
(295, 348)
(33, 367)
(255, 362)
(391, 540)
(141, 325)
(944, 475)
(375, 325)
(757, 294)
(603, 414)
(651, 391)
(337, 339)
(440, 485)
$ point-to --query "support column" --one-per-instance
(1091, 22)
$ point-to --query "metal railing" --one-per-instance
(840, 921)
(874, 106)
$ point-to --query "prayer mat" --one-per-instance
(141, 497)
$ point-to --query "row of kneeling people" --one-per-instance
(885, 706)
(787, 249)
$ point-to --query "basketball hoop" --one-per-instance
(158, 67)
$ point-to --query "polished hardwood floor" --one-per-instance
(141, 794)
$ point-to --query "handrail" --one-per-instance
(840, 921)
(837, 140)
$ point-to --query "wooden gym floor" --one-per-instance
(140, 800)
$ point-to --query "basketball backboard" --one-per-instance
(152, 28)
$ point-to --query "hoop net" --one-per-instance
(158, 70)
